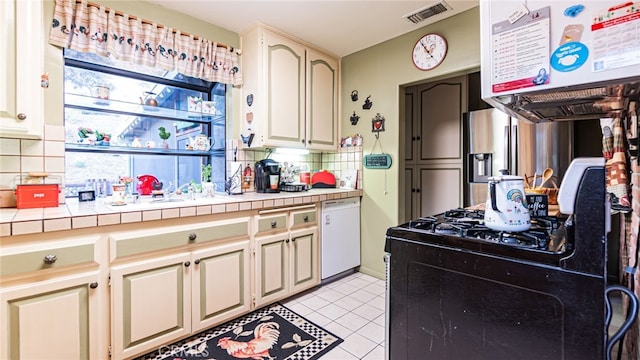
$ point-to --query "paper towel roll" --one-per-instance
(234, 183)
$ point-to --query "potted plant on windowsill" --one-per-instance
(164, 135)
(208, 188)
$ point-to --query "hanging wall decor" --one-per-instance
(377, 124)
(367, 103)
(354, 95)
(354, 118)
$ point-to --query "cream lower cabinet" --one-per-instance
(160, 299)
(286, 262)
(53, 298)
(49, 319)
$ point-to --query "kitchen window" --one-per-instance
(124, 120)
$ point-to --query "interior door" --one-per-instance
(434, 146)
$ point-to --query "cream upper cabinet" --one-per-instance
(21, 97)
(322, 101)
(290, 92)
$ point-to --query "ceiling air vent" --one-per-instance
(427, 12)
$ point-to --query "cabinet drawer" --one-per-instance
(132, 243)
(272, 222)
(22, 260)
(303, 218)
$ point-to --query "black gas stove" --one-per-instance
(469, 224)
(458, 290)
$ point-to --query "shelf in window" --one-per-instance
(127, 108)
(134, 150)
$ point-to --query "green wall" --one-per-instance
(382, 71)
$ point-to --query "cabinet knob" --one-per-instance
(302, 141)
(273, 224)
(306, 218)
(287, 241)
(417, 190)
(417, 137)
(309, 142)
(187, 264)
(50, 259)
(413, 190)
(192, 236)
(413, 138)
(22, 116)
(93, 285)
(197, 261)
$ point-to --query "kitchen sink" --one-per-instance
(165, 200)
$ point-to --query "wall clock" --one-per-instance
(429, 51)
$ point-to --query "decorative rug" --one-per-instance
(273, 332)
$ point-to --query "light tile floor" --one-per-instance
(352, 308)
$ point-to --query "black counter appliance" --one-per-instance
(267, 173)
(457, 290)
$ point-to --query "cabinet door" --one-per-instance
(272, 268)
(432, 198)
(220, 284)
(151, 303)
(304, 255)
(285, 80)
(21, 65)
(322, 102)
(57, 318)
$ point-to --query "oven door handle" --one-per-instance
(632, 313)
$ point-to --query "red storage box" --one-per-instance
(37, 196)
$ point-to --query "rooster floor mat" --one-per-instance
(273, 332)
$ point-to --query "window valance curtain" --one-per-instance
(86, 27)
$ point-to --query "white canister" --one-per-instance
(506, 207)
(119, 195)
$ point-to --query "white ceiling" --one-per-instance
(341, 27)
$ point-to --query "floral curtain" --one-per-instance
(89, 28)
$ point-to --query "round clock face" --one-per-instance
(429, 51)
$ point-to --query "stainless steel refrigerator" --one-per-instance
(496, 141)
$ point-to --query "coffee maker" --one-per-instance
(267, 173)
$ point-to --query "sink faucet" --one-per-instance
(169, 193)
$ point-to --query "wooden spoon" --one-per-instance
(546, 175)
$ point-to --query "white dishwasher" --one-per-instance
(340, 236)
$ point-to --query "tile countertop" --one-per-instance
(77, 215)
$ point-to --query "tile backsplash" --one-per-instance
(18, 157)
(347, 158)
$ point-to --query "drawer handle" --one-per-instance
(197, 261)
(93, 285)
(192, 236)
(306, 218)
(273, 224)
(50, 259)
(187, 264)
